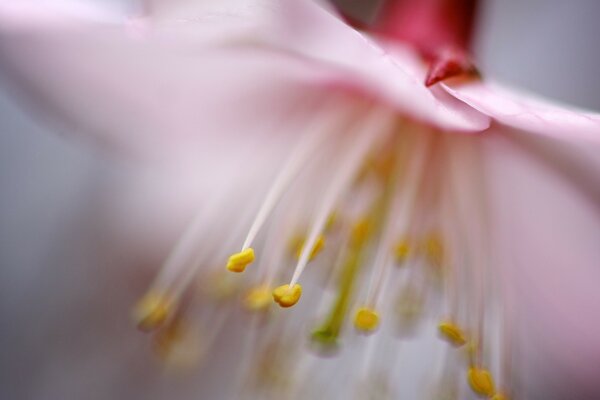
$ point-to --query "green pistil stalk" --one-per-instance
(327, 335)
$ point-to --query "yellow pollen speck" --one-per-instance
(452, 333)
(319, 244)
(258, 298)
(402, 250)
(239, 261)
(287, 296)
(481, 381)
(152, 310)
(366, 319)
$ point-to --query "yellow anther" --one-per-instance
(481, 381)
(360, 232)
(287, 296)
(499, 396)
(239, 261)
(366, 319)
(258, 298)
(319, 244)
(402, 250)
(452, 333)
(152, 310)
(434, 249)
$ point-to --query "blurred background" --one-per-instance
(55, 256)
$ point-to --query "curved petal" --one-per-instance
(526, 112)
(547, 227)
(394, 75)
(545, 200)
(148, 94)
(147, 78)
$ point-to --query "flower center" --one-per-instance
(398, 223)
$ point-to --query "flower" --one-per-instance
(398, 196)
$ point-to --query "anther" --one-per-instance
(481, 381)
(452, 333)
(152, 310)
(258, 298)
(499, 396)
(239, 261)
(287, 296)
(366, 320)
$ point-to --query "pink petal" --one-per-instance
(151, 93)
(129, 68)
(545, 209)
(527, 112)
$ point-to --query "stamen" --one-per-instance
(238, 261)
(375, 128)
(318, 132)
(287, 295)
(481, 381)
(152, 311)
(366, 320)
(274, 245)
(452, 333)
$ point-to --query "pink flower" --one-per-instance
(289, 128)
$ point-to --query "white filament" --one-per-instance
(179, 256)
(318, 131)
